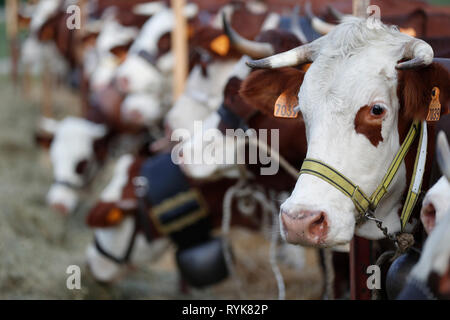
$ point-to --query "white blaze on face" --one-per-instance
(210, 142)
(354, 68)
(436, 204)
(150, 8)
(114, 34)
(101, 63)
(202, 95)
(73, 142)
(138, 75)
(43, 11)
(141, 109)
(115, 240)
(103, 72)
(114, 189)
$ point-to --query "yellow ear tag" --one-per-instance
(434, 109)
(284, 106)
(114, 216)
(220, 45)
(409, 31)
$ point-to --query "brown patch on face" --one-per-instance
(369, 125)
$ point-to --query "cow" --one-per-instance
(411, 24)
(430, 277)
(77, 149)
(417, 18)
(358, 134)
(104, 215)
(436, 203)
(122, 239)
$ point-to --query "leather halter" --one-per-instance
(367, 205)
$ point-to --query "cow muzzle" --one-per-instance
(305, 227)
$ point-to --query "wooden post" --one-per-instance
(360, 7)
(179, 47)
(12, 31)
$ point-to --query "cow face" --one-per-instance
(141, 109)
(73, 157)
(357, 108)
(137, 75)
(142, 72)
(436, 204)
(114, 223)
(433, 269)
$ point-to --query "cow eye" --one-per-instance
(377, 110)
(81, 167)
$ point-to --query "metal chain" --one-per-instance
(369, 215)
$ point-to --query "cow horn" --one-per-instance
(293, 57)
(335, 13)
(317, 24)
(419, 52)
(443, 154)
(295, 25)
(254, 49)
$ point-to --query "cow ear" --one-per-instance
(262, 88)
(45, 132)
(417, 90)
(121, 51)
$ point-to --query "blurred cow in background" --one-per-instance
(430, 277)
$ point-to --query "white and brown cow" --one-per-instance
(363, 90)
(436, 203)
(77, 148)
(430, 277)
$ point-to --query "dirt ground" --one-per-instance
(37, 245)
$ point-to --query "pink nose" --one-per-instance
(305, 227)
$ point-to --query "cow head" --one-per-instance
(111, 48)
(74, 153)
(265, 44)
(143, 70)
(430, 277)
(113, 218)
(358, 102)
(436, 203)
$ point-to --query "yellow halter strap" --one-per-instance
(367, 205)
